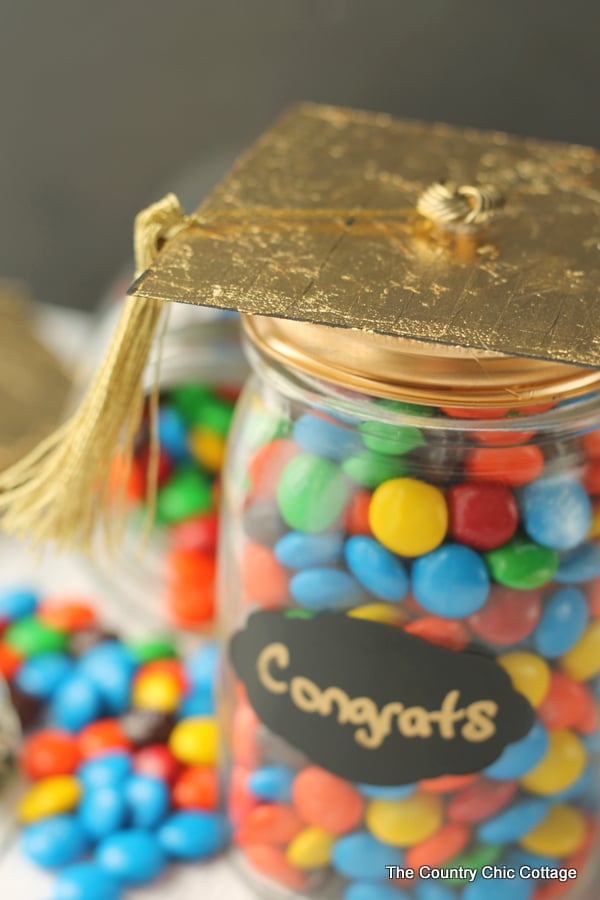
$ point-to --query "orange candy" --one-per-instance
(444, 632)
(264, 579)
(269, 823)
(66, 614)
(593, 598)
(10, 661)
(240, 801)
(197, 787)
(449, 841)
(507, 465)
(329, 802)
(591, 478)
(267, 464)
(444, 784)
(244, 743)
(192, 604)
(272, 862)
(357, 513)
(49, 753)
(191, 566)
(171, 667)
(101, 736)
(566, 702)
(591, 443)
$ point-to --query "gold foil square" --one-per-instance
(277, 236)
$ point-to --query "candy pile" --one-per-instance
(193, 423)
(483, 540)
(123, 771)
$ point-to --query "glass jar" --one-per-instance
(409, 600)
(168, 576)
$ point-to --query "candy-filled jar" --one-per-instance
(409, 602)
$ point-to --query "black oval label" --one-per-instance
(372, 703)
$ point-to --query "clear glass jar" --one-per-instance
(409, 600)
(167, 577)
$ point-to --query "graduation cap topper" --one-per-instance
(331, 219)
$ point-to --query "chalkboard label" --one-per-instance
(372, 703)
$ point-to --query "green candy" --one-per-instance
(215, 415)
(187, 493)
(477, 858)
(392, 440)
(188, 399)
(30, 637)
(312, 492)
(153, 649)
(522, 564)
(411, 409)
(372, 469)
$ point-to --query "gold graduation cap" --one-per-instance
(385, 228)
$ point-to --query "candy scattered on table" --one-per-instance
(123, 780)
(480, 541)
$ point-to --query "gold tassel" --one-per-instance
(62, 489)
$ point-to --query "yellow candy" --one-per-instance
(561, 833)
(408, 516)
(594, 531)
(386, 613)
(195, 741)
(59, 794)
(582, 661)
(405, 822)
(158, 691)
(311, 849)
(561, 766)
(530, 674)
(207, 448)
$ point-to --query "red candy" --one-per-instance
(100, 737)
(66, 614)
(48, 753)
(591, 443)
(264, 579)
(482, 515)
(156, 761)
(449, 633)
(357, 513)
(480, 800)
(451, 839)
(199, 533)
(512, 466)
(591, 479)
(508, 616)
(444, 784)
(240, 801)
(329, 802)
(10, 661)
(197, 787)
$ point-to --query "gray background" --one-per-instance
(105, 104)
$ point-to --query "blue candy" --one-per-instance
(376, 568)
(110, 666)
(16, 603)
(513, 823)
(133, 856)
(499, 889)
(172, 434)
(272, 783)
(298, 550)
(518, 857)
(86, 881)
(42, 675)
(148, 801)
(55, 841)
(427, 890)
(451, 581)
(110, 768)
(563, 622)
(368, 890)
(75, 704)
(201, 667)
(324, 588)
(198, 703)
(382, 792)
(520, 757)
(581, 564)
(556, 512)
(591, 742)
(193, 835)
(103, 811)
(360, 855)
(325, 438)
(585, 788)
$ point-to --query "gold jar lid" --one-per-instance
(416, 371)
